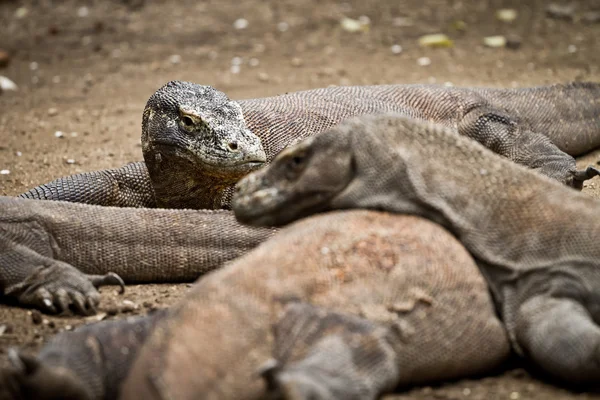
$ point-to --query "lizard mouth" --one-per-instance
(213, 162)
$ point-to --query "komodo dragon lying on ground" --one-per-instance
(374, 301)
(197, 143)
(535, 241)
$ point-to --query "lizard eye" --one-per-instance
(296, 163)
(187, 121)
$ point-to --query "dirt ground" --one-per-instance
(86, 69)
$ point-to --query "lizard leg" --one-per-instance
(89, 363)
(506, 136)
(128, 186)
(561, 337)
(29, 273)
(322, 355)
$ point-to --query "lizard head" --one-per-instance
(300, 181)
(201, 128)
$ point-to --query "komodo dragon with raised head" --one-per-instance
(197, 143)
(346, 305)
(535, 240)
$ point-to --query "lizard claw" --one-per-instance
(60, 287)
(109, 279)
(585, 174)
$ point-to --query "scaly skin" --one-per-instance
(197, 143)
(534, 239)
(53, 254)
(374, 301)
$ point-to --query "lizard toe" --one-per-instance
(109, 279)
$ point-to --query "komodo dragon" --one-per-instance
(345, 305)
(535, 241)
(197, 143)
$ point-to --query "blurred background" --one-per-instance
(75, 76)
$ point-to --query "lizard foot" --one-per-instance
(57, 287)
(561, 338)
(583, 175)
(324, 355)
(29, 378)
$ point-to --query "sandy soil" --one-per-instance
(87, 68)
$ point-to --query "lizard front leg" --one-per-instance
(89, 363)
(128, 186)
(324, 355)
(29, 273)
(561, 338)
(507, 136)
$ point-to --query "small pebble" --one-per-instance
(506, 14)
(514, 396)
(561, 11)
(6, 329)
(59, 134)
(18, 154)
(254, 62)
(296, 62)
(235, 69)
(175, 59)
(354, 25)
(95, 318)
(4, 59)
(4, 172)
(36, 317)
(128, 306)
(494, 41)
(424, 61)
(33, 65)
(466, 391)
(283, 26)
(68, 327)
(237, 61)
(241, 23)
(74, 134)
(52, 112)
(83, 12)
(263, 77)
(70, 161)
(402, 22)
(21, 12)
(513, 42)
(396, 49)
(56, 79)
(7, 85)
(435, 40)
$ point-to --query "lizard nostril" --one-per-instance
(233, 146)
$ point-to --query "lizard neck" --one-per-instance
(178, 183)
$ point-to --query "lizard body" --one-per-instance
(345, 305)
(189, 131)
(533, 239)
